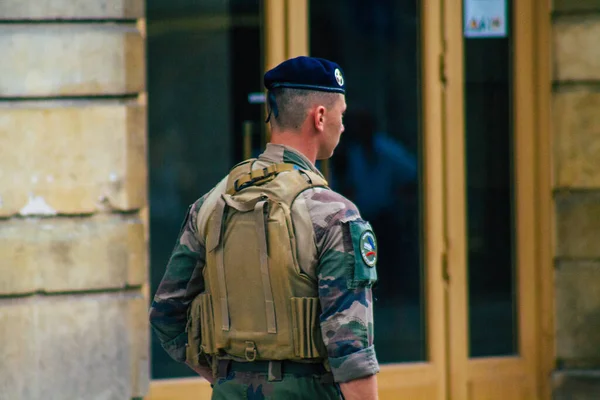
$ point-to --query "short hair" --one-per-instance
(293, 105)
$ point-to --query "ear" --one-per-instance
(319, 118)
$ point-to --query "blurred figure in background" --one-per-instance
(374, 171)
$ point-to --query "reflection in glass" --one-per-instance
(377, 164)
(204, 60)
(490, 196)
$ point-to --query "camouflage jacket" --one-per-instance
(321, 218)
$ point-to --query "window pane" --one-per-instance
(490, 195)
(204, 60)
(377, 164)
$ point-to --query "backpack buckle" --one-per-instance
(250, 352)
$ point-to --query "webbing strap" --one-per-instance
(258, 176)
(259, 215)
(242, 206)
(222, 288)
(219, 256)
(214, 238)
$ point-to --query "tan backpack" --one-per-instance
(258, 304)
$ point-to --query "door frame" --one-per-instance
(527, 373)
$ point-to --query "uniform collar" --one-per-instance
(279, 153)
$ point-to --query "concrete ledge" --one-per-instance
(72, 158)
(70, 9)
(578, 225)
(52, 60)
(578, 312)
(577, 139)
(576, 385)
(576, 49)
(71, 254)
(74, 347)
(576, 5)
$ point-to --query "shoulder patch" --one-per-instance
(365, 248)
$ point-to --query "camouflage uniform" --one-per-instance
(323, 223)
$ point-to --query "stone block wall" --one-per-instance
(73, 200)
(576, 141)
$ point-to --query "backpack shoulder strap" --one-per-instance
(299, 181)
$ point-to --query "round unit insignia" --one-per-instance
(368, 248)
(338, 77)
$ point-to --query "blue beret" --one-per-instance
(307, 73)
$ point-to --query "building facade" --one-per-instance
(73, 245)
(472, 144)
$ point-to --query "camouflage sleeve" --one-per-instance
(345, 282)
(181, 283)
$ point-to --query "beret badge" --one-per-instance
(338, 77)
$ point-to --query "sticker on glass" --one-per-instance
(485, 18)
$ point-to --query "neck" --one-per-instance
(298, 142)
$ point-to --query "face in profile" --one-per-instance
(334, 126)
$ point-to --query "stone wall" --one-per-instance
(73, 237)
(576, 140)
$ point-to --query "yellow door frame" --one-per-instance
(525, 376)
(286, 30)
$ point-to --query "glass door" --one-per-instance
(205, 67)
(389, 163)
(490, 158)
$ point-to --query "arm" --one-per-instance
(359, 389)
(345, 282)
(181, 282)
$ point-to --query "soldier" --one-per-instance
(268, 291)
